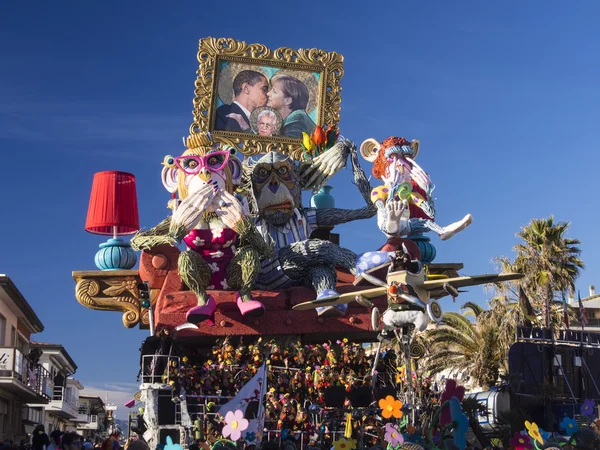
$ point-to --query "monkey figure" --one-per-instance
(274, 185)
(211, 221)
(404, 203)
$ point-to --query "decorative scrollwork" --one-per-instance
(110, 291)
(329, 64)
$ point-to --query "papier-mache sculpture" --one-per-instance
(274, 187)
(211, 221)
(404, 203)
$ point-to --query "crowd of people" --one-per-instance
(308, 384)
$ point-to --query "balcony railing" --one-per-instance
(15, 365)
(153, 368)
(63, 394)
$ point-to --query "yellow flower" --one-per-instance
(185, 359)
(534, 431)
(344, 444)
(307, 142)
(390, 407)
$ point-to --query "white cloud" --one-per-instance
(115, 393)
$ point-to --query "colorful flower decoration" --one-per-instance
(461, 423)
(452, 390)
(345, 444)
(545, 434)
(569, 425)
(392, 435)
(520, 441)
(234, 425)
(587, 409)
(390, 407)
(534, 431)
(321, 140)
(250, 437)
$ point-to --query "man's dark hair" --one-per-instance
(246, 76)
(70, 438)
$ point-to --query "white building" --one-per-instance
(91, 416)
(22, 379)
(62, 411)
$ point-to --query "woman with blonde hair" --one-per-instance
(289, 97)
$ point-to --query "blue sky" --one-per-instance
(504, 97)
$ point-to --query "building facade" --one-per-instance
(92, 419)
(61, 412)
(23, 380)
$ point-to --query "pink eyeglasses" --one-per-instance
(192, 164)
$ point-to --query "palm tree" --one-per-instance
(549, 262)
(466, 347)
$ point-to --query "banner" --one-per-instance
(249, 400)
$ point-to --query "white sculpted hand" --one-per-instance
(326, 165)
(395, 210)
(229, 209)
(420, 177)
(239, 119)
(190, 210)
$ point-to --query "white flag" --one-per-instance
(252, 393)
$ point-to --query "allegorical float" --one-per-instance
(264, 324)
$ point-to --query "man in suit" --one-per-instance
(250, 91)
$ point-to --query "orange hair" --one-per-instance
(381, 162)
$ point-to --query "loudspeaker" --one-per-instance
(335, 396)
(166, 408)
(361, 396)
(173, 432)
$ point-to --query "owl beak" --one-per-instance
(204, 175)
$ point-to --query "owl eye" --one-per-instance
(262, 172)
(169, 161)
(282, 170)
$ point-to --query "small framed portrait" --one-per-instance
(257, 100)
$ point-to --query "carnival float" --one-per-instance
(263, 324)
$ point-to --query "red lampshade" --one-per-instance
(113, 203)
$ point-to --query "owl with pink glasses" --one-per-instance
(212, 222)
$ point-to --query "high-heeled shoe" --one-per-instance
(203, 313)
(250, 308)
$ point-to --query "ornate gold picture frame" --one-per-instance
(259, 100)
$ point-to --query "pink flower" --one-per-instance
(521, 441)
(392, 435)
(234, 425)
(452, 390)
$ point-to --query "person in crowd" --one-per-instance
(40, 439)
(71, 441)
(55, 440)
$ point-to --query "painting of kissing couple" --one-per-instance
(260, 99)
(267, 101)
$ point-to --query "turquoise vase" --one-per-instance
(115, 254)
(427, 249)
(323, 199)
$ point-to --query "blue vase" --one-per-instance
(427, 249)
(323, 199)
(115, 254)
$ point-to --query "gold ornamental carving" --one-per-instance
(110, 291)
(330, 66)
